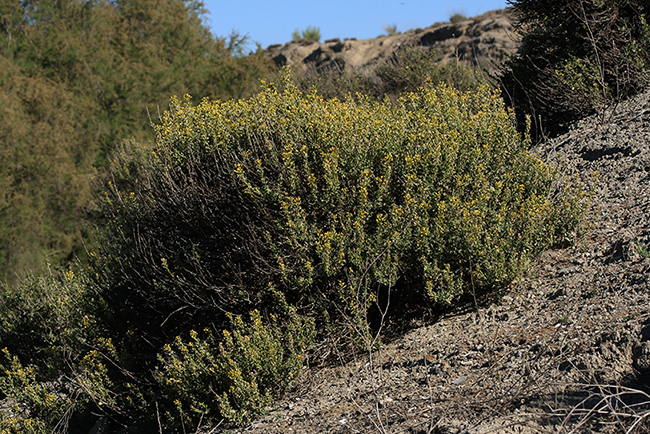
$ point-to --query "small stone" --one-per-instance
(460, 380)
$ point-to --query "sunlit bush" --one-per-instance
(250, 226)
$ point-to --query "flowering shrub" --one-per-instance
(335, 201)
(47, 371)
(45, 314)
(36, 407)
(272, 218)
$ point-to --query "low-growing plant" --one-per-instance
(61, 371)
(37, 408)
(237, 376)
(413, 67)
(643, 250)
(46, 317)
(311, 33)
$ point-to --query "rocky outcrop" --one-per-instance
(485, 40)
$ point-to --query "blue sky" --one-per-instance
(272, 21)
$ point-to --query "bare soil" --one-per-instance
(566, 349)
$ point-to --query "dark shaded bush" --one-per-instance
(51, 344)
(44, 314)
(65, 361)
(577, 56)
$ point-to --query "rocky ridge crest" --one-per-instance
(485, 40)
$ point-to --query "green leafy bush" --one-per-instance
(54, 358)
(65, 361)
(577, 56)
(46, 315)
(300, 213)
(37, 408)
(412, 67)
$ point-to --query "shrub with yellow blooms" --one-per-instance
(333, 202)
(251, 228)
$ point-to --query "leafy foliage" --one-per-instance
(331, 202)
(238, 377)
(64, 360)
(45, 313)
(48, 324)
(577, 56)
(297, 213)
(38, 409)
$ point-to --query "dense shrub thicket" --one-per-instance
(577, 56)
(76, 78)
(65, 361)
(251, 227)
(54, 353)
(327, 200)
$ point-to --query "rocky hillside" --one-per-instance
(483, 40)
